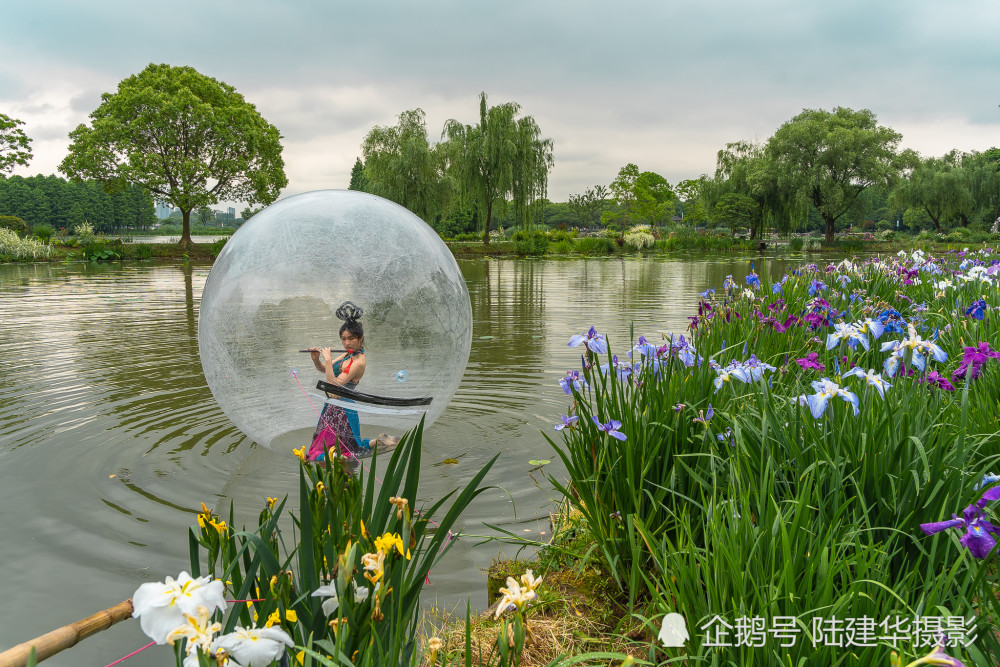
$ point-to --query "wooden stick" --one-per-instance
(51, 643)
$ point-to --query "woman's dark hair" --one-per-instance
(350, 313)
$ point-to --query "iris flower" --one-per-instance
(596, 342)
(705, 418)
(566, 421)
(872, 378)
(978, 537)
(728, 283)
(914, 348)
(810, 361)
(753, 280)
(977, 310)
(611, 428)
(572, 381)
(938, 380)
(622, 368)
(846, 332)
(825, 390)
(161, 607)
(254, 647)
(973, 358)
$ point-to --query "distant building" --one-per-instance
(163, 211)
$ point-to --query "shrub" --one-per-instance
(12, 247)
(530, 243)
(595, 245)
(795, 244)
(14, 224)
(608, 233)
(84, 233)
(639, 237)
(562, 235)
(216, 247)
(885, 235)
(43, 233)
(561, 247)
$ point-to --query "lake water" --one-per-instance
(110, 438)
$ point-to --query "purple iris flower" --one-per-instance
(572, 381)
(708, 293)
(704, 418)
(977, 310)
(596, 342)
(973, 359)
(810, 361)
(938, 380)
(611, 428)
(728, 283)
(566, 421)
(978, 537)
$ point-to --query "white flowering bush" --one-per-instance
(13, 247)
(639, 237)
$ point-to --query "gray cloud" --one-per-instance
(661, 84)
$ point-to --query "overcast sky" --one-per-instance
(661, 83)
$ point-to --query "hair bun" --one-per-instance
(349, 312)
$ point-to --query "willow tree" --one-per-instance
(744, 172)
(503, 161)
(831, 157)
(939, 188)
(190, 140)
(401, 165)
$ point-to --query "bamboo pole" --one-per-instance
(69, 635)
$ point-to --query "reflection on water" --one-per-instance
(110, 439)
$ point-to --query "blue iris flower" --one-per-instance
(611, 428)
(977, 310)
(596, 342)
(566, 421)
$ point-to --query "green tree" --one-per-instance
(503, 160)
(830, 157)
(735, 210)
(206, 216)
(187, 138)
(983, 175)
(623, 190)
(939, 187)
(401, 165)
(15, 145)
(358, 179)
(248, 213)
(654, 198)
(588, 207)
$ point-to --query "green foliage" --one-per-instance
(758, 509)
(596, 245)
(341, 518)
(43, 232)
(829, 157)
(588, 207)
(14, 224)
(51, 200)
(359, 181)
(13, 248)
(98, 252)
(216, 247)
(502, 160)
(400, 165)
(15, 145)
(534, 243)
(939, 187)
(188, 139)
(795, 243)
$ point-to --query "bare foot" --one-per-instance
(384, 441)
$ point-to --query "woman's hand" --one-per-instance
(326, 354)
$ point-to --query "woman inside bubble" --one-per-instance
(339, 427)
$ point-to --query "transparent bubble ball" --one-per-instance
(275, 286)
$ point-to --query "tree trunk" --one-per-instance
(830, 234)
(186, 228)
(489, 218)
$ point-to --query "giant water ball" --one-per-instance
(275, 288)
